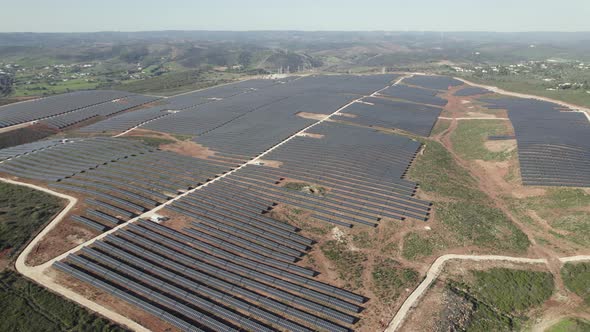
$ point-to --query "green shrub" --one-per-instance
(500, 297)
(416, 246)
(511, 290)
(22, 212)
(348, 263)
(28, 307)
(390, 279)
(570, 325)
(576, 277)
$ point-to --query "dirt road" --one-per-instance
(495, 89)
(436, 268)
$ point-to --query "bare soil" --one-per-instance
(312, 135)
(270, 163)
(66, 235)
(185, 148)
(312, 116)
(347, 115)
(188, 148)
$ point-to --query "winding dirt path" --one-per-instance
(434, 272)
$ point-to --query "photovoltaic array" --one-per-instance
(70, 108)
(227, 261)
(553, 143)
(433, 82)
(360, 170)
(197, 280)
(386, 113)
(413, 94)
(58, 161)
(471, 91)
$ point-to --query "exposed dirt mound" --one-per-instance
(312, 116)
(497, 172)
(188, 148)
(183, 147)
(270, 163)
(457, 312)
(306, 188)
(290, 215)
(312, 135)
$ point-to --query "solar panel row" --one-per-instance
(58, 161)
(101, 110)
(153, 178)
(553, 145)
(381, 112)
(174, 268)
(54, 105)
(360, 170)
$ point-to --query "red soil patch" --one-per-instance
(185, 148)
(66, 235)
(188, 148)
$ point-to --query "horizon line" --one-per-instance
(297, 30)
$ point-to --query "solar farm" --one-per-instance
(553, 144)
(215, 230)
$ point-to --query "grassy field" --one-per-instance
(177, 82)
(570, 325)
(28, 307)
(416, 246)
(440, 126)
(390, 279)
(562, 208)
(462, 207)
(60, 87)
(348, 263)
(576, 277)
(470, 136)
(22, 212)
(500, 297)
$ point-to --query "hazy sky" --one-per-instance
(399, 15)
